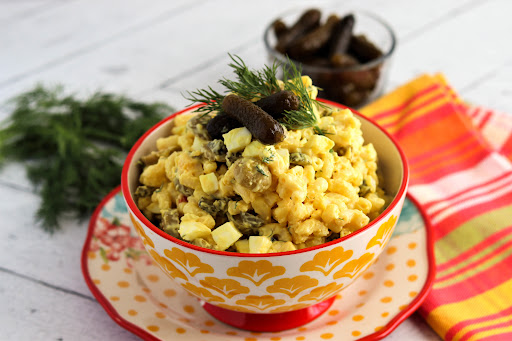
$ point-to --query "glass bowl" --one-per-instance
(355, 85)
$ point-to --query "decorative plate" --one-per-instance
(140, 298)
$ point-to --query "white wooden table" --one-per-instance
(154, 50)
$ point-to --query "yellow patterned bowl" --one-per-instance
(270, 292)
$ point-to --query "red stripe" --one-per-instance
(456, 328)
(473, 112)
(440, 149)
(453, 221)
(405, 104)
(470, 287)
(421, 123)
(500, 337)
(494, 188)
(473, 145)
(506, 149)
(427, 206)
(485, 119)
(483, 329)
(481, 260)
(474, 250)
(458, 167)
(410, 111)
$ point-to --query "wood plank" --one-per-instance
(54, 259)
(142, 61)
(138, 61)
(11, 10)
(254, 52)
(465, 48)
(36, 312)
(29, 45)
(492, 90)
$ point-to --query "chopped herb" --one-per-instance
(270, 158)
(211, 98)
(261, 171)
(73, 149)
(255, 84)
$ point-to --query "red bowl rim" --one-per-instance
(133, 207)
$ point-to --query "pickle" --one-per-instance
(306, 23)
(280, 28)
(276, 104)
(312, 42)
(343, 60)
(341, 34)
(221, 124)
(363, 49)
(261, 125)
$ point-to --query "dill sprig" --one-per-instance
(304, 117)
(211, 98)
(73, 150)
(251, 84)
(255, 84)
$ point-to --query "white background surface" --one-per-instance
(154, 50)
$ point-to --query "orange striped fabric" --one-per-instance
(461, 173)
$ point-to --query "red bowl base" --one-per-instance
(268, 322)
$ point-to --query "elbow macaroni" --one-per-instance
(332, 192)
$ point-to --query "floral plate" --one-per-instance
(140, 298)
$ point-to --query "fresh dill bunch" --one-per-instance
(73, 150)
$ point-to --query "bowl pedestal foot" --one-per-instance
(268, 322)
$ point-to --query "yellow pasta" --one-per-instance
(238, 194)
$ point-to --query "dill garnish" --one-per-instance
(73, 150)
(251, 84)
(210, 97)
(255, 84)
(270, 157)
(260, 170)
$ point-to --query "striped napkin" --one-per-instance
(461, 173)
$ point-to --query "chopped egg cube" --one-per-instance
(319, 144)
(280, 246)
(226, 235)
(209, 183)
(198, 143)
(259, 244)
(237, 139)
(242, 246)
(254, 149)
(190, 230)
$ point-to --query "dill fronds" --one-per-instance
(211, 98)
(251, 84)
(73, 150)
(255, 84)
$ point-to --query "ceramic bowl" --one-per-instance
(270, 292)
(354, 85)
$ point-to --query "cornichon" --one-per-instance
(307, 22)
(312, 42)
(221, 124)
(276, 104)
(341, 34)
(261, 125)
